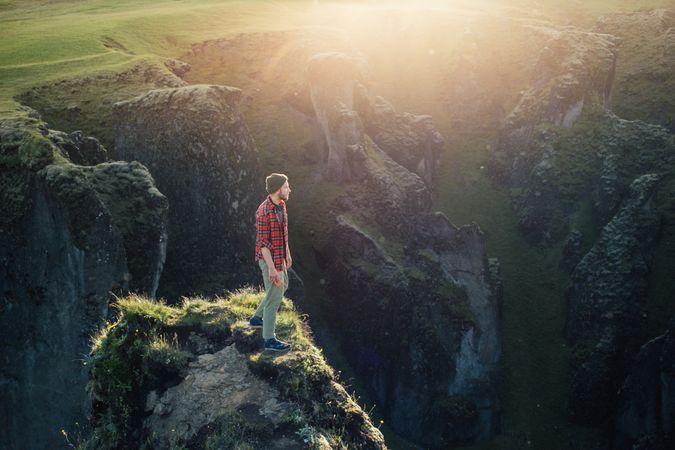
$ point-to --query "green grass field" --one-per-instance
(43, 41)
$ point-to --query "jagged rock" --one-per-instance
(573, 69)
(430, 361)
(62, 251)
(410, 140)
(149, 387)
(139, 211)
(646, 401)
(331, 83)
(346, 112)
(195, 143)
(443, 306)
(79, 149)
(178, 67)
(215, 384)
(572, 74)
(608, 286)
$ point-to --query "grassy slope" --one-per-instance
(45, 46)
(47, 41)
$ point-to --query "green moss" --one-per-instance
(22, 144)
(389, 245)
(233, 431)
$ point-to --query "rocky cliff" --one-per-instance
(421, 327)
(70, 235)
(576, 175)
(646, 403)
(605, 302)
(195, 143)
(195, 377)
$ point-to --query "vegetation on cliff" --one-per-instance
(150, 346)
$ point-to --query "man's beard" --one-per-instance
(283, 197)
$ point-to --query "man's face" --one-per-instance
(284, 191)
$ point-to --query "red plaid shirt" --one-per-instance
(269, 234)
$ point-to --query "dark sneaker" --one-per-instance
(255, 322)
(276, 345)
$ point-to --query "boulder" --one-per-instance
(196, 145)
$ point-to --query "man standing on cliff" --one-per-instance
(273, 256)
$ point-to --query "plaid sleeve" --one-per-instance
(262, 226)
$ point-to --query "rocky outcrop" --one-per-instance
(65, 235)
(86, 103)
(215, 384)
(195, 376)
(608, 287)
(79, 149)
(346, 110)
(431, 358)
(409, 139)
(646, 401)
(572, 74)
(331, 79)
(197, 147)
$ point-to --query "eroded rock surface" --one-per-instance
(215, 384)
(197, 147)
(65, 237)
(646, 403)
(421, 327)
(609, 285)
(345, 110)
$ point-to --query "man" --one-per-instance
(273, 256)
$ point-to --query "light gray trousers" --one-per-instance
(270, 304)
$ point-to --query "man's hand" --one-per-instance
(289, 261)
(274, 276)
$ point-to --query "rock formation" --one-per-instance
(69, 235)
(85, 103)
(421, 326)
(646, 401)
(195, 376)
(576, 173)
(197, 147)
(572, 74)
(410, 140)
(608, 287)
